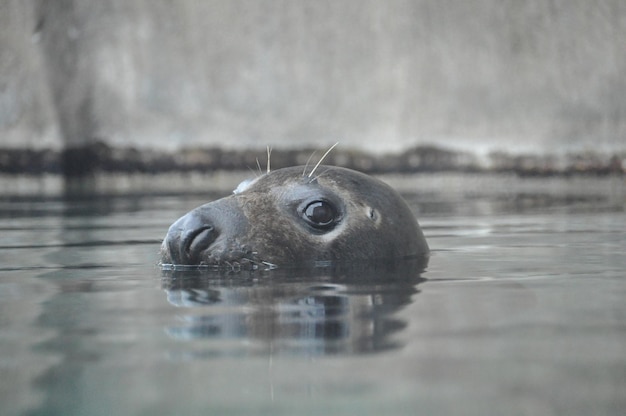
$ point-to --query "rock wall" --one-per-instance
(482, 76)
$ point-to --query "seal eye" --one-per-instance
(320, 214)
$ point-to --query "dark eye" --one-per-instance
(320, 214)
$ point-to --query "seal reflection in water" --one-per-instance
(301, 312)
(288, 218)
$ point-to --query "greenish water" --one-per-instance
(522, 310)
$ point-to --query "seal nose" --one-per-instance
(188, 237)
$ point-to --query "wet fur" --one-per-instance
(260, 225)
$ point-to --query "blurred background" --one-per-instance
(148, 86)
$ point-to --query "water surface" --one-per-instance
(521, 311)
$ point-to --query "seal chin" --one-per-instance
(235, 259)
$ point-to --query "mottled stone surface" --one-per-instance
(535, 78)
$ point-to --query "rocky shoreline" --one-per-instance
(102, 158)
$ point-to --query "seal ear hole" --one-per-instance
(373, 214)
(321, 215)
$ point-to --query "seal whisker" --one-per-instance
(269, 154)
(322, 159)
(307, 163)
(256, 175)
(316, 177)
(258, 165)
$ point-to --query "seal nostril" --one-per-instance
(201, 240)
(195, 241)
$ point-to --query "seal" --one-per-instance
(288, 218)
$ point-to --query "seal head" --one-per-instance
(284, 218)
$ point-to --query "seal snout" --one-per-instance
(189, 237)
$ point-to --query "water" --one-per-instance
(521, 311)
